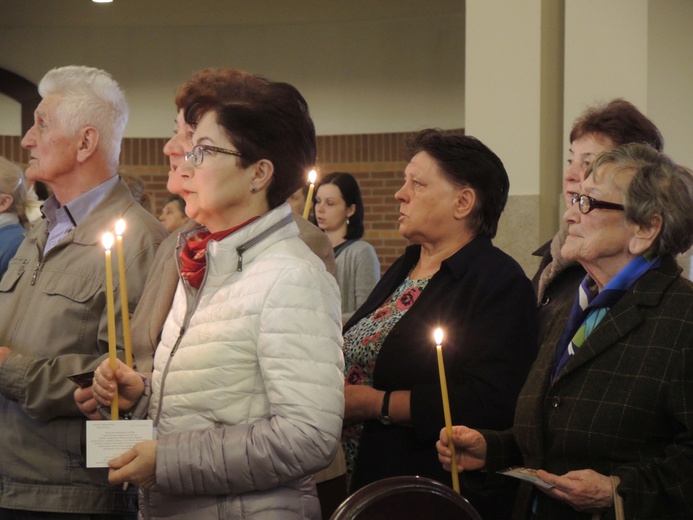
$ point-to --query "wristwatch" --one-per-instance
(385, 410)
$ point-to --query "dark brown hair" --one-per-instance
(351, 193)
(621, 122)
(466, 161)
(263, 119)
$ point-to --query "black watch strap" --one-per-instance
(385, 410)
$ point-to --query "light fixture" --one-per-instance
(102, 1)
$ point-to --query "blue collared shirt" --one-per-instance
(63, 219)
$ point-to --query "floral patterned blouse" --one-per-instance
(362, 344)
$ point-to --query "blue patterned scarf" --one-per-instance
(591, 306)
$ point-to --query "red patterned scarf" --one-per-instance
(194, 254)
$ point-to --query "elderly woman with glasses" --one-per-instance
(598, 129)
(606, 414)
(247, 389)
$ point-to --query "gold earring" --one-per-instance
(253, 189)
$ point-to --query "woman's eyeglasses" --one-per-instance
(197, 155)
(587, 203)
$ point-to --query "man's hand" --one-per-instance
(4, 353)
(84, 398)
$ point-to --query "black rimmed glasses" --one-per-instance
(197, 155)
(587, 203)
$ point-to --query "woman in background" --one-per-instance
(173, 213)
(339, 213)
(12, 217)
(137, 188)
(297, 200)
(36, 194)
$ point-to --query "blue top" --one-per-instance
(10, 238)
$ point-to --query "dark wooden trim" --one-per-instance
(24, 92)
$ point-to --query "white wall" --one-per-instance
(358, 77)
(636, 49)
(670, 75)
(10, 116)
(503, 85)
(605, 55)
(399, 74)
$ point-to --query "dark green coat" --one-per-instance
(623, 405)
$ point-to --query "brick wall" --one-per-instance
(374, 159)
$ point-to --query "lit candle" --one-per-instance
(110, 308)
(311, 178)
(119, 228)
(438, 336)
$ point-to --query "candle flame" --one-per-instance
(120, 227)
(312, 176)
(438, 336)
(107, 240)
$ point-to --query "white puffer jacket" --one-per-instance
(247, 390)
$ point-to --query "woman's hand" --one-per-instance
(361, 403)
(137, 466)
(584, 490)
(84, 398)
(470, 448)
(125, 381)
(365, 403)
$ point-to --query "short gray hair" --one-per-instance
(89, 97)
(659, 187)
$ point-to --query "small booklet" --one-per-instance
(83, 379)
(108, 439)
(527, 474)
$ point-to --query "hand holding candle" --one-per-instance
(312, 176)
(119, 228)
(438, 336)
(110, 309)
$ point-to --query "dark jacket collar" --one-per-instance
(458, 263)
(627, 313)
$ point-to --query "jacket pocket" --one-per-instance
(75, 303)
(14, 273)
(72, 286)
(75, 444)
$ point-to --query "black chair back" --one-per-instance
(406, 498)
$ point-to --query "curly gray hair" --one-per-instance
(660, 188)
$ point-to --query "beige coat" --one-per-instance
(53, 317)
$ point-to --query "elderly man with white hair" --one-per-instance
(53, 299)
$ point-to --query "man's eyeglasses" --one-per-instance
(587, 203)
(197, 155)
